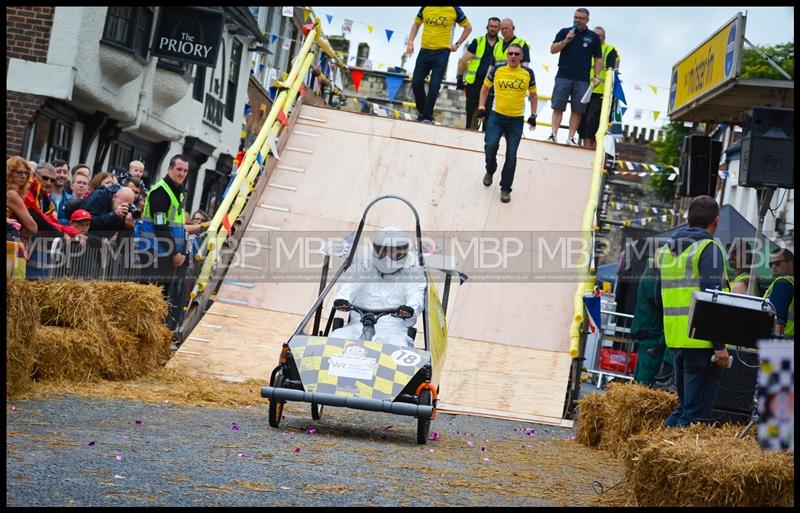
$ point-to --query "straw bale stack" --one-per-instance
(708, 466)
(631, 409)
(22, 317)
(82, 331)
(608, 420)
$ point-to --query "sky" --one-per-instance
(650, 40)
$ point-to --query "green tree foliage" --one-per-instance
(668, 153)
(755, 66)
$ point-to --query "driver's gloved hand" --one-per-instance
(341, 304)
(405, 312)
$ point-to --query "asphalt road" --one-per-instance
(79, 451)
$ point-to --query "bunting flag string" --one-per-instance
(633, 207)
(642, 167)
(643, 221)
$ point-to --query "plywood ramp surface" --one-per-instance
(319, 190)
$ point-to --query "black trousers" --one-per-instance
(473, 97)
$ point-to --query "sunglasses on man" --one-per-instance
(514, 53)
(47, 178)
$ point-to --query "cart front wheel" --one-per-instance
(276, 405)
(423, 425)
(316, 411)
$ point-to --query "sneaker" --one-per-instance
(552, 138)
(427, 121)
(572, 142)
(505, 196)
(487, 179)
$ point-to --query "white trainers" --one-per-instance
(551, 138)
(571, 142)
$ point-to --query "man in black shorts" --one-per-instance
(578, 46)
(591, 120)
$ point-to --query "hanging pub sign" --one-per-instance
(189, 34)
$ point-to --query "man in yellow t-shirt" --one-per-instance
(512, 82)
(437, 44)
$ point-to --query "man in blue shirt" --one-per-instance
(578, 46)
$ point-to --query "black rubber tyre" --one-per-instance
(423, 425)
(275, 405)
(316, 411)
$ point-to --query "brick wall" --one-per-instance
(27, 38)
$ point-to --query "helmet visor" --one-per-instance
(393, 252)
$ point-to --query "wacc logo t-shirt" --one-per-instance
(439, 25)
(511, 86)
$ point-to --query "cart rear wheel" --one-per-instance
(316, 411)
(276, 405)
(423, 425)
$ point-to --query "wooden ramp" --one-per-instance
(508, 341)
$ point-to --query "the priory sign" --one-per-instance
(189, 34)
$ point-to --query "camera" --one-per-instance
(134, 212)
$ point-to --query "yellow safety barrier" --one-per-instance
(244, 182)
(585, 281)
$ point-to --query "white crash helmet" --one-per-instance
(391, 247)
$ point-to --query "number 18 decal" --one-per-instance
(405, 357)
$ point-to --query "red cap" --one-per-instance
(80, 215)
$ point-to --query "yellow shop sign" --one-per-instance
(713, 63)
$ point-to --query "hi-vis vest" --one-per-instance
(606, 50)
(146, 235)
(475, 62)
(500, 55)
(788, 329)
(680, 277)
(741, 278)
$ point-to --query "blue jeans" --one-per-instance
(435, 63)
(697, 380)
(496, 126)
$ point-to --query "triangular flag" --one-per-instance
(393, 84)
(370, 28)
(389, 34)
(356, 75)
(273, 144)
(274, 37)
(546, 67)
(282, 117)
(330, 18)
(656, 114)
(622, 111)
(654, 88)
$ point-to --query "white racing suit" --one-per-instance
(362, 285)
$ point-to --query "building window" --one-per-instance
(199, 82)
(233, 78)
(120, 155)
(51, 139)
(129, 28)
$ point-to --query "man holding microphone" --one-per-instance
(578, 47)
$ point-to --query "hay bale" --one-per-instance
(708, 466)
(22, 318)
(632, 409)
(121, 300)
(70, 354)
(591, 419)
(69, 304)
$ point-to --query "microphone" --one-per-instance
(575, 27)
